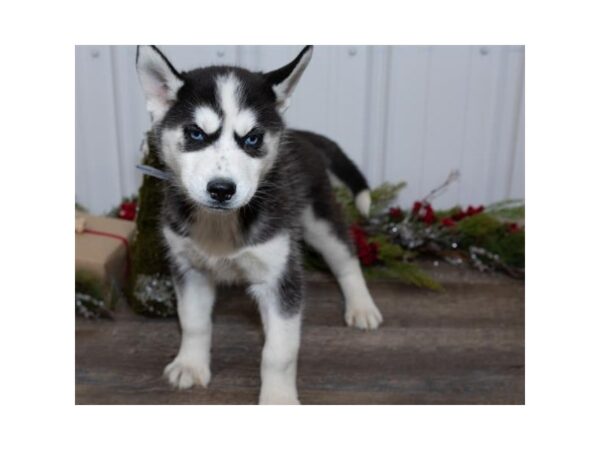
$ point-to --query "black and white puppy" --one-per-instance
(243, 193)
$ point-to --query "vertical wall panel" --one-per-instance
(249, 57)
(516, 183)
(409, 113)
(376, 115)
(97, 180)
(505, 122)
(409, 80)
(346, 100)
(476, 154)
(83, 188)
(444, 129)
(130, 116)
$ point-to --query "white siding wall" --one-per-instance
(401, 113)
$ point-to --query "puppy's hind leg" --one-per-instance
(195, 298)
(321, 234)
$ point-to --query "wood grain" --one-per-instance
(461, 346)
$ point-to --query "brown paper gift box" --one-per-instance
(103, 257)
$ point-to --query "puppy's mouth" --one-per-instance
(219, 208)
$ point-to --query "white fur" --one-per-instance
(257, 264)
(207, 119)
(237, 120)
(335, 181)
(282, 334)
(228, 94)
(270, 142)
(361, 311)
(363, 202)
(280, 352)
(172, 143)
(264, 263)
(244, 121)
(159, 82)
(195, 299)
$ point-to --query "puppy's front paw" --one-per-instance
(183, 373)
(277, 397)
(364, 315)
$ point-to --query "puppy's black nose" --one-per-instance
(221, 189)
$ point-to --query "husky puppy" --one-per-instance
(243, 192)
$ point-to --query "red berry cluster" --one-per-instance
(128, 210)
(470, 211)
(396, 214)
(461, 214)
(425, 213)
(513, 227)
(368, 252)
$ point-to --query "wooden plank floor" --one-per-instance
(462, 346)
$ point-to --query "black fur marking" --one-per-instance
(196, 91)
(291, 284)
(177, 272)
(278, 76)
(192, 145)
(314, 161)
(339, 164)
(178, 209)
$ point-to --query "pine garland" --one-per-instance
(388, 243)
(150, 290)
(93, 300)
(392, 260)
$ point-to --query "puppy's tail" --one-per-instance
(341, 167)
(346, 171)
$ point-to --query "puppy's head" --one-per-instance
(218, 127)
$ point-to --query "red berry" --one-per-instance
(395, 213)
(416, 208)
(448, 222)
(513, 227)
(460, 215)
(429, 216)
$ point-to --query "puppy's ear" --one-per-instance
(160, 80)
(284, 80)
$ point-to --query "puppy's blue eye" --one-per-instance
(252, 141)
(197, 135)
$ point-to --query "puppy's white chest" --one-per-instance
(261, 263)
